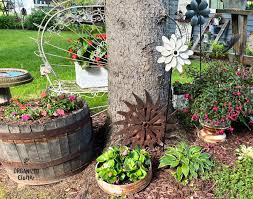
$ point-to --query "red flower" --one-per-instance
(101, 36)
(43, 94)
(187, 96)
(195, 117)
(247, 100)
(185, 110)
(70, 50)
(237, 93)
(74, 56)
(97, 59)
(22, 107)
(215, 108)
(90, 43)
(220, 132)
(238, 73)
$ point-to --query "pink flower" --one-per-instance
(247, 100)
(25, 117)
(187, 96)
(72, 98)
(14, 113)
(215, 108)
(195, 117)
(231, 129)
(238, 73)
(206, 117)
(44, 113)
(60, 112)
(237, 93)
(238, 108)
(220, 132)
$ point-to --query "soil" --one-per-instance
(162, 186)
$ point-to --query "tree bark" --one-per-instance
(134, 29)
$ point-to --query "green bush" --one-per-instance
(35, 18)
(10, 22)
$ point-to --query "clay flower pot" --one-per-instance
(125, 189)
(209, 134)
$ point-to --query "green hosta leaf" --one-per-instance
(195, 149)
(109, 163)
(185, 170)
(167, 160)
(179, 174)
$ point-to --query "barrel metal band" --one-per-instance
(25, 137)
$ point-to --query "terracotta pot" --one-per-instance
(209, 133)
(126, 189)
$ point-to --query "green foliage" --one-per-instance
(244, 152)
(233, 182)
(249, 52)
(10, 22)
(36, 18)
(48, 106)
(217, 49)
(181, 88)
(120, 164)
(188, 162)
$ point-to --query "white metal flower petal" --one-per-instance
(175, 53)
(161, 60)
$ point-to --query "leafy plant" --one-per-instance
(217, 49)
(10, 22)
(233, 182)
(121, 164)
(244, 152)
(181, 88)
(187, 162)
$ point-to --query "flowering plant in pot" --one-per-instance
(123, 171)
(217, 107)
(89, 50)
(89, 54)
(59, 127)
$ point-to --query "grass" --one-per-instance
(17, 51)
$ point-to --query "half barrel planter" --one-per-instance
(46, 153)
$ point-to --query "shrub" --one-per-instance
(35, 18)
(10, 22)
(121, 164)
(188, 162)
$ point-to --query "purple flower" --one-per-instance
(72, 98)
(25, 117)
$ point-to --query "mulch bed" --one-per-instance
(163, 185)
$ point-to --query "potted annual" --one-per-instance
(235, 4)
(89, 54)
(52, 136)
(123, 171)
(180, 95)
(222, 98)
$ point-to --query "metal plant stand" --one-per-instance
(10, 77)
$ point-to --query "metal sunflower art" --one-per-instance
(197, 11)
(144, 123)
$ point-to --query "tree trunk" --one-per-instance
(134, 29)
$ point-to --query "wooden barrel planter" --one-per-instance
(40, 154)
(126, 189)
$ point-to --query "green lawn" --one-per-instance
(17, 51)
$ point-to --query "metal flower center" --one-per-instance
(145, 124)
(176, 53)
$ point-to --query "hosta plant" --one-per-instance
(121, 164)
(187, 162)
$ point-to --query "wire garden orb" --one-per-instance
(72, 38)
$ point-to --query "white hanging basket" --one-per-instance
(91, 77)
